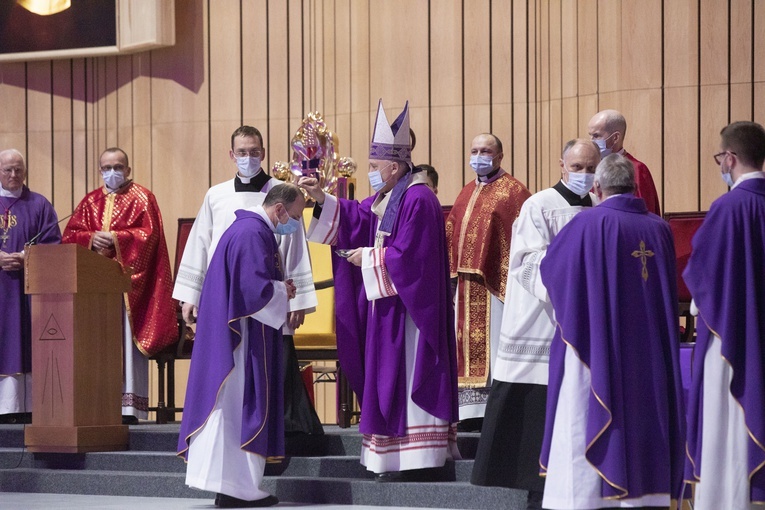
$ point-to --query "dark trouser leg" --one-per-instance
(299, 414)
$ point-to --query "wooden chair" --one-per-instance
(684, 225)
(181, 350)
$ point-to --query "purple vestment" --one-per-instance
(611, 278)
(238, 284)
(371, 334)
(32, 215)
(726, 277)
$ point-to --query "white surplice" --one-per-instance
(528, 325)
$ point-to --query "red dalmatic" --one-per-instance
(135, 223)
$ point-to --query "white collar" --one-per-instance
(262, 213)
(747, 176)
(7, 193)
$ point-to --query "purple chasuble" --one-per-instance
(726, 277)
(611, 278)
(238, 284)
(371, 334)
(30, 214)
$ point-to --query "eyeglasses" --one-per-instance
(116, 168)
(13, 170)
(719, 155)
(254, 153)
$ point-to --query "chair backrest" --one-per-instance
(683, 225)
(184, 228)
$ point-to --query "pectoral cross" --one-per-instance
(643, 254)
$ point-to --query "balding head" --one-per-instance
(283, 203)
(610, 126)
(13, 170)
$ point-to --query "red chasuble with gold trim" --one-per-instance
(478, 232)
(135, 223)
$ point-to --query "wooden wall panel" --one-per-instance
(279, 131)
(13, 124)
(254, 67)
(681, 155)
(446, 76)
(39, 127)
(477, 80)
(62, 170)
(501, 73)
(225, 83)
(361, 98)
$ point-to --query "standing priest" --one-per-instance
(122, 221)
(478, 232)
(234, 421)
(395, 322)
(615, 425)
(26, 216)
(725, 274)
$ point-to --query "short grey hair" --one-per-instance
(13, 152)
(615, 175)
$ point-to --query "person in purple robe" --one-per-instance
(25, 216)
(615, 424)
(233, 415)
(726, 277)
(394, 313)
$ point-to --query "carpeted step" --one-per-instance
(346, 491)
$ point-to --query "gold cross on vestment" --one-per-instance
(4, 237)
(643, 254)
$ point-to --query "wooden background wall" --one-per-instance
(532, 72)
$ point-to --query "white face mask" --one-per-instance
(579, 183)
(482, 165)
(604, 151)
(113, 178)
(248, 166)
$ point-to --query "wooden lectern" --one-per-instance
(77, 334)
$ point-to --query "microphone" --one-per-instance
(122, 186)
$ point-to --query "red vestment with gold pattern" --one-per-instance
(478, 231)
(135, 223)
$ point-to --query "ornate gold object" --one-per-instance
(315, 153)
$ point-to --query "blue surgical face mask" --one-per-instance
(604, 151)
(727, 179)
(285, 229)
(113, 178)
(375, 179)
(248, 166)
(579, 183)
(482, 165)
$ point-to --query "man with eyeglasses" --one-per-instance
(725, 274)
(607, 129)
(24, 216)
(121, 220)
(247, 190)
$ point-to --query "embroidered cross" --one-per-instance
(643, 254)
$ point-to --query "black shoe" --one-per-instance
(129, 419)
(223, 501)
(390, 477)
(14, 418)
(470, 425)
(534, 500)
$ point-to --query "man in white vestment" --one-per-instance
(247, 190)
(511, 438)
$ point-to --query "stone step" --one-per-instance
(164, 438)
(345, 491)
(167, 462)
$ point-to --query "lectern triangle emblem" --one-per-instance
(52, 330)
